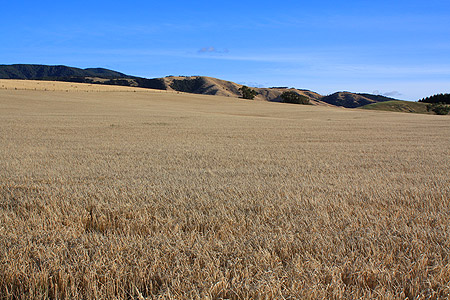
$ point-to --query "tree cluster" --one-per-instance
(248, 93)
(293, 97)
(438, 98)
(439, 108)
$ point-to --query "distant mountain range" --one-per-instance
(53, 72)
(187, 84)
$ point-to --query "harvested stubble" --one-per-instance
(159, 196)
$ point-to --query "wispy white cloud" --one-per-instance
(326, 63)
(253, 84)
(211, 49)
(388, 94)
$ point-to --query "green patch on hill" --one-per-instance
(399, 106)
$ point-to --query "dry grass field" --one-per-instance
(122, 193)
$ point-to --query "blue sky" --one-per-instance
(397, 48)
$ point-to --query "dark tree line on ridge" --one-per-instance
(438, 98)
(438, 103)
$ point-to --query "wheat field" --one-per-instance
(124, 193)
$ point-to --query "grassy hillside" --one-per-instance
(141, 194)
(399, 106)
(213, 86)
(57, 86)
(353, 100)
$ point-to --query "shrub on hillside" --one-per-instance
(248, 93)
(293, 97)
(188, 85)
(439, 108)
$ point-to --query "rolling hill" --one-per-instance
(213, 86)
(187, 84)
(399, 106)
(353, 100)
